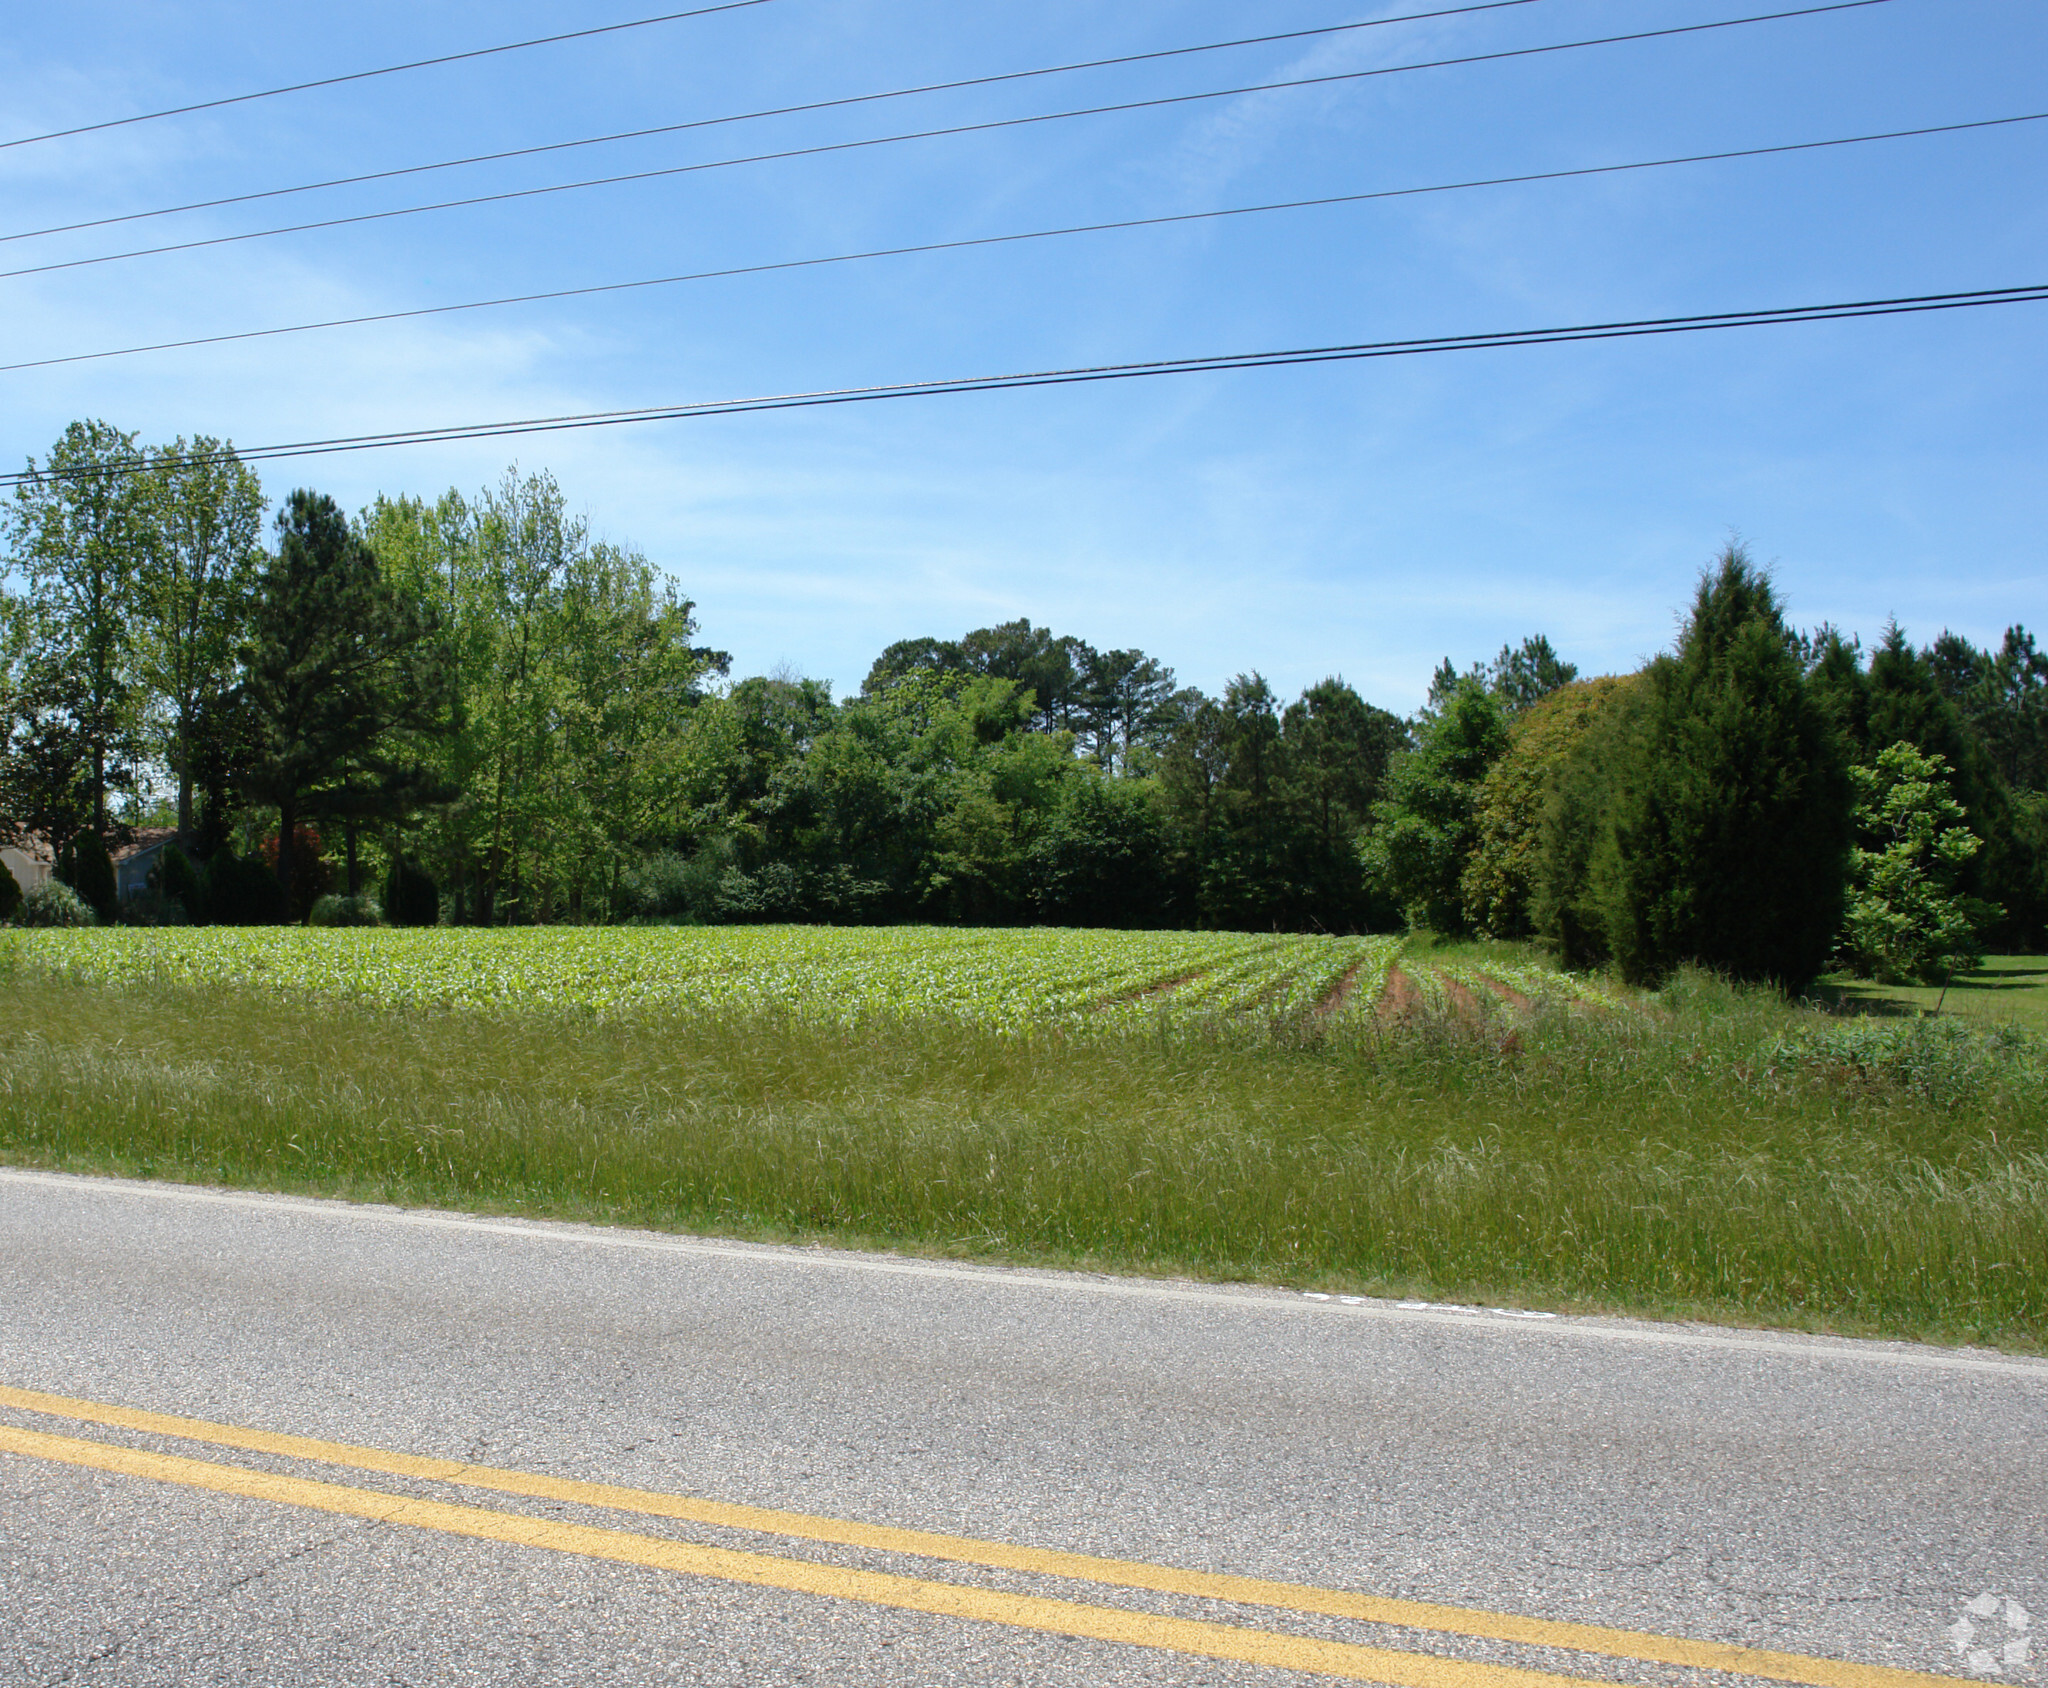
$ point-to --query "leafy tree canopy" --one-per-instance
(1424, 829)
(1908, 922)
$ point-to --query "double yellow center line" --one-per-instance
(942, 1599)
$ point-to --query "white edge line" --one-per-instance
(1786, 1347)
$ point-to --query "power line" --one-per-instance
(1355, 352)
(771, 111)
(934, 134)
(1033, 234)
(386, 70)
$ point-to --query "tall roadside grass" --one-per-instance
(1715, 1153)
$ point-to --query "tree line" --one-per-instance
(478, 712)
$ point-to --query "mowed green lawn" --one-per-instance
(1450, 1122)
(2012, 989)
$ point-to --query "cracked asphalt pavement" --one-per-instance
(1839, 1501)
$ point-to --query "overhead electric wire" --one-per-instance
(770, 111)
(951, 130)
(384, 70)
(1637, 328)
(1028, 235)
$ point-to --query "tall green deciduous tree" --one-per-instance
(578, 681)
(341, 667)
(78, 529)
(1424, 830)
(45, 761)
(14, 651)
(1908, 921)
(1721, 828)
(194, 584)
(629, 675)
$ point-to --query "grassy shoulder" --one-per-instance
(1710, 1153)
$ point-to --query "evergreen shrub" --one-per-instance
(10, 896)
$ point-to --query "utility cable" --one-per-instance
(1355, 352)
(1027, 235)
(752, 116)
(934, 134)
(385, 70)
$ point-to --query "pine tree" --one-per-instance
(340, 670)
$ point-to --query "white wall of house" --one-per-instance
(28, 871)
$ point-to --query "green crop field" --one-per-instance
(1366, 1114)
(1009, 981)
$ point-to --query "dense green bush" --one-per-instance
(53, 903)
(346, 911)
(241, 892)
(179, 881)
(10, 895)
(779, 892)
(665, 885)
(1712, 822)
(411, 898)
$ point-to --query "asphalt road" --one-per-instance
(1683, 1491)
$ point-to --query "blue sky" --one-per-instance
(1362, 519)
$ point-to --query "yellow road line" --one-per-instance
(1797, 1668)
(874, 1588)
